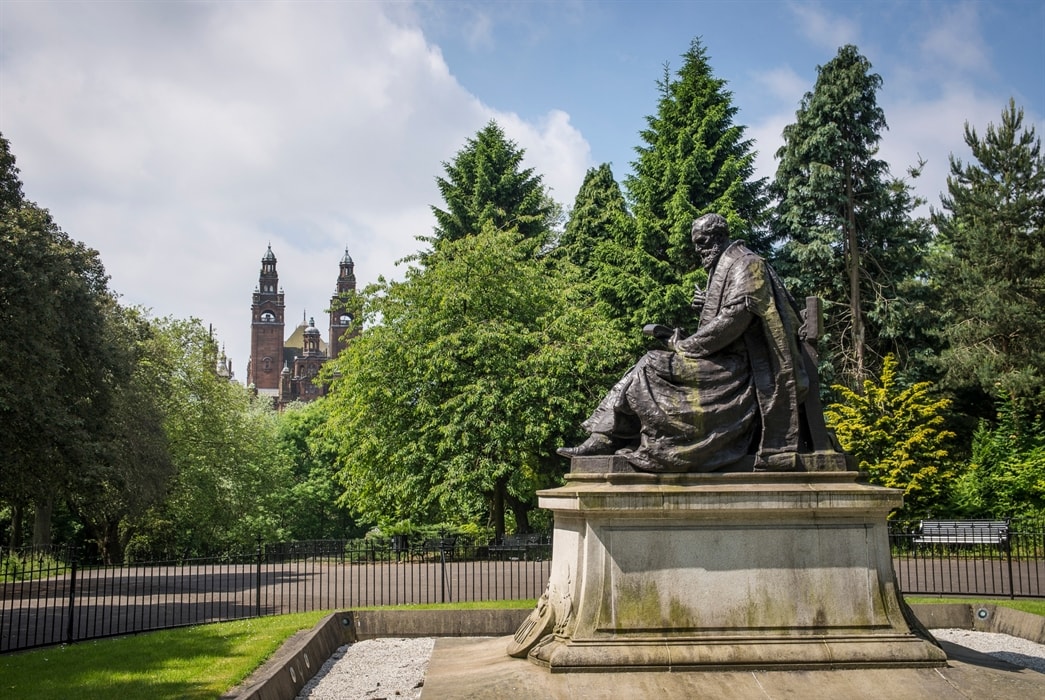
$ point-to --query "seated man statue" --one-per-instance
(730, 391)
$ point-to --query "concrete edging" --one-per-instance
(299, 659)
(982, 618)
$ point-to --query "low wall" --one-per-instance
(299, 659)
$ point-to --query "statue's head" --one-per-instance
(710, 234)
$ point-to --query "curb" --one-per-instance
(299, 659)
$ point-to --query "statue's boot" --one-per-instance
(597, 444)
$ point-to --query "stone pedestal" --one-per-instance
(723, 571)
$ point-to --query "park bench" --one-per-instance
(518, 546)
(992, 532)
(442, 546)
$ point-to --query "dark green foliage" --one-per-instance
(486, 184)
(307, 504)
(56, 389)
(600, 238)
(990, 271)
(132, 468)
(694, 160)
(849, 235)
(10, 185)
(1006, 476)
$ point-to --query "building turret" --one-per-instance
(266, 330)
(340, 318)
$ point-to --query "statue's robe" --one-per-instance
(731, 389)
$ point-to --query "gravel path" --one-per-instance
(375, 669)
(1015, 650)
(387, 669)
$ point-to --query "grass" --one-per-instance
(190, 662)
(1035, 606)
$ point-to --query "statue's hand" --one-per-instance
(700, 297)
(675, 339)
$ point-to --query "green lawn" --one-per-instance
(189, 662)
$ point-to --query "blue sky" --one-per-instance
(181, 138)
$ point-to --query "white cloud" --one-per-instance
(954, 41)
(822, 28)
(181, 139)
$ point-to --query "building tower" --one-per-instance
(298, 379)
(266, 330)
(340, 319)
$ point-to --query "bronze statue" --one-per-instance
(732, 392)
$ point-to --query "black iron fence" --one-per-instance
(965, 562)
(50, 596)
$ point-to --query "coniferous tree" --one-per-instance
(849, 234)
(485, 183)
(694, 160)
(990, 273)
(600, 237)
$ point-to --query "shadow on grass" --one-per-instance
(197, 662)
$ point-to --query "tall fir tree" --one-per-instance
(600, 238)
(694, 160)
(990, 271)
(848, 228)
(486, 183)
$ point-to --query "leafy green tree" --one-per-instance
(55, 389)
(848, 226)
(131, 470)
(486, 183)
(1006, 474)
(694, 160)
(308, 501)
(990, 273)
(223, 446)
(469, 373)
(897, 434)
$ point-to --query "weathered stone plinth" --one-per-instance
(724, 571)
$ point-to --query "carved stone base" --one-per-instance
(724, 571)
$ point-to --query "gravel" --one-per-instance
(387, 669)
(1015, 650)
(374, 669)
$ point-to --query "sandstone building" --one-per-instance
(282, 367)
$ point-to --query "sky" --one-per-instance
(181, 139)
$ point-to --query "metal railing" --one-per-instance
(1014, 567)
(50, 597)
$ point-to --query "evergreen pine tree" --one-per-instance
(991, 270)
(695, 160)
(847, 224)
(485, 182)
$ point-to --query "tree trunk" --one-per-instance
(853, 268)
(521, 511)
(497, 507)
(42, 522)
(17, 511)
